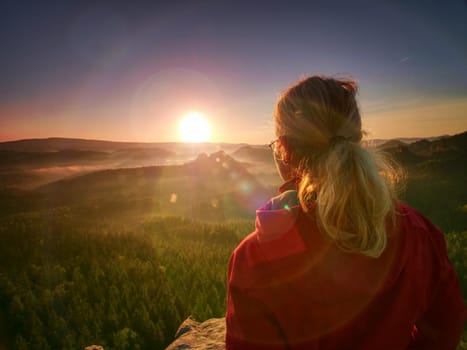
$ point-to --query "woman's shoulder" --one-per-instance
(245, 263)
(276, 236)
(422, 239)
(412, 220)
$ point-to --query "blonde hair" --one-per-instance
(353, 186)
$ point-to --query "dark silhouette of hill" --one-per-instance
(392, 144)
(13, 159)
(55, 144)
(406, 140)
(31, 169)
(214, 186)
(439, 147)
(208, 166)
(400, 151)
(211, 187)
(422, 150)
(442, 158)
(436, 177)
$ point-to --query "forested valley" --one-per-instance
(121, 257)
(66, 285)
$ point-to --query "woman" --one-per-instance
(336, 262)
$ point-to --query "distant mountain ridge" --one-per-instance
(65, 156)
(33, 162)
(217, 166)
(407, 150)
(213, 186)
(407, 140)
(54, 144)
(422, 150)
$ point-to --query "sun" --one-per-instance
(193, 127)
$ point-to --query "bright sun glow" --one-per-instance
(193, 127)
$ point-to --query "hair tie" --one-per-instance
(334, 140)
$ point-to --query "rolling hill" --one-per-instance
(170, 180)
(55, 144)
(436, 177)
(211, 187)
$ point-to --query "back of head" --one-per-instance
(352, 186)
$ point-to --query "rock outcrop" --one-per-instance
(208, 335)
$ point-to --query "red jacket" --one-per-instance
(289, 287)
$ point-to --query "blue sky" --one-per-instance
(120, 70)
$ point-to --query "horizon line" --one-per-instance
(207, 142)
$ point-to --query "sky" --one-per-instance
(129, 70)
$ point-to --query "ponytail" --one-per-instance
(354, 196)
(352, 186)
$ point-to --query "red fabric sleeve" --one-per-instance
(249, 324)
(442, 325)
